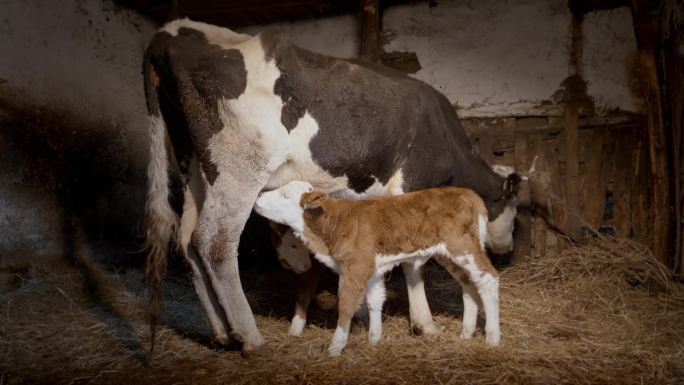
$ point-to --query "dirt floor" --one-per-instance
(601, 314)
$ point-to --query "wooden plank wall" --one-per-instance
(613, 172)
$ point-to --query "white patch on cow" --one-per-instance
(385, 262)
(299, 164)
(500, 230)
(394, 186)
(294, 253)
(253, 119)
(502, 170)
(214, 34)
(482, 230)
(297, 325)
(163, 221)
(193, 197)
(339, 341)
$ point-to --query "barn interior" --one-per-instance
(588, 94)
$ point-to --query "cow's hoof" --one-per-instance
(223, 340)
(250, 350)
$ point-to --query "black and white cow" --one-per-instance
(232, 115)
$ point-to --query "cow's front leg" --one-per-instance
(306, 289)
(421, 317)
(224, 213)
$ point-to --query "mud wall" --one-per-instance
(73, 143)
(496, 58)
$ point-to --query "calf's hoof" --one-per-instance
(335, 351)
(467, 334)
(493, 338)
(297, 326)
(425, 330)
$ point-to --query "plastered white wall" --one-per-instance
(82, 59)
(336, 36)
(495, 57)
(79, 55)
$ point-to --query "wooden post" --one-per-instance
(673, 61)
(523, 221)
(370, 31)
(662, 235)
(571, 123)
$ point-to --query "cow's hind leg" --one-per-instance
(421, 317)
(224, 213)
(194, 196)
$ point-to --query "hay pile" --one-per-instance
(606, 313)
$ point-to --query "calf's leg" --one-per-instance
(307, 283)
(470, 296)
(353, 282)
(421, 317)
(375, 298)
(482, 275)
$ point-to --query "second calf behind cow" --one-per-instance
(362, 240)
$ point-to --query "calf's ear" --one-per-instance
(312, 200)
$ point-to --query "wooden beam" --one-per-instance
(523, 220)
(662, 240)
(370, 31)
(571, 120)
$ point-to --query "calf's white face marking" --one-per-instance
(292, 253)
(282, 205)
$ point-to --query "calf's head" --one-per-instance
(292, 254)
(283, 205)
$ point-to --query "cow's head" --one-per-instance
(500, 228)
(282, 205)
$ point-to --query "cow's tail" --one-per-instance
(161, 222)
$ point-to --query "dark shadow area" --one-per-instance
(81, 170)
(78, 254)
(77, 169)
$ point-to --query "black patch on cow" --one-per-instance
(374, 120)
(194, 75)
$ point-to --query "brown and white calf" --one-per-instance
(362, 240)
(294, 256)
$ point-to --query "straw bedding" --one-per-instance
(605, 313)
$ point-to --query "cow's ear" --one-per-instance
(312, 200)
